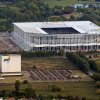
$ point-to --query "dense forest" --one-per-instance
(22, 10)
(36, 10)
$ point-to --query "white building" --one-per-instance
(80, 6)
(10, 64)
(54, 36)
(96, 5)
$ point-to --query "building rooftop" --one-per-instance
(86, 27)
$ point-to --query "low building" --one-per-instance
(84, 6)
(80, 6)
(10, 64)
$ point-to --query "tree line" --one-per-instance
(79, 61)
(35, 54)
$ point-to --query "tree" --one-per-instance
(83, 98)
(54, 88)
(17, 87)
(96, 76)
(68, 10)
(3, 93)
(77, 98)
(70, 97)
(29, 92)
(25, 81)
(34, 67)
(98, 84)
(61, 53)
(79, 61)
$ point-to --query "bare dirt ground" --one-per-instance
(47, 63)
(7, 44)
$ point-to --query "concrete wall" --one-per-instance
(21, 38)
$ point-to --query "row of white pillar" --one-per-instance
(68, 48)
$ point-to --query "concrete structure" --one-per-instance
(54, 36)
(80, 5)
(10, 64)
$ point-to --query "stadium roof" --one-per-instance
(85, 27)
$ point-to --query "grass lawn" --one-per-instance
(69, 88)
(12, 79)
(47, 63)
(81, 89)
(64, 3)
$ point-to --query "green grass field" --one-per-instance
(69, 88)
(64, 3)
(86, 89)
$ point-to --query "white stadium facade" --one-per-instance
(55, 36)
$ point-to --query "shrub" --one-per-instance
(25, 81)
(2, 93)
(70, 97)
(84, 98)
(96, 77)
(34, 66)
(79, 61)
(61, 53)
(98, 91)
(54, 88)
(98, 84)
(30, 92)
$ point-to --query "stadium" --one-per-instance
(55, 36)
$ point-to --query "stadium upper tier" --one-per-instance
(64, 27)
